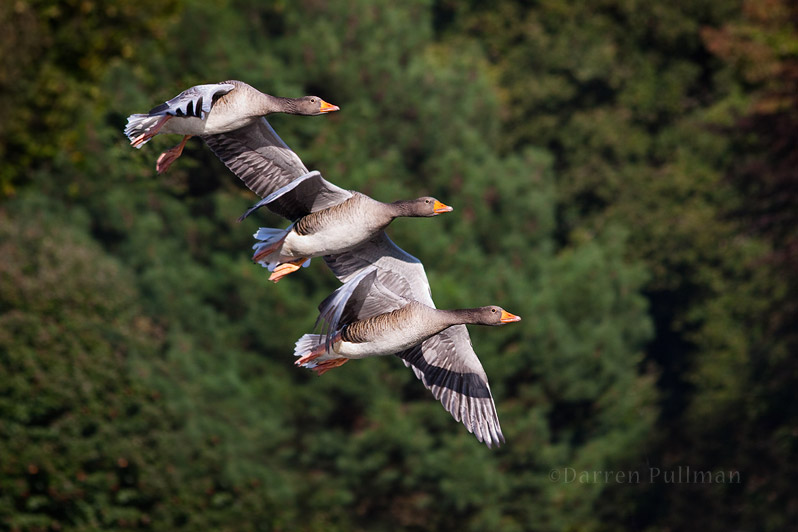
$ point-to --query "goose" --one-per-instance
(268, 167)
(383, 311)
(213, 109)
(328, 220)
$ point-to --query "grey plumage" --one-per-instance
(219, 109)
(396, 269)
(379, 298)
(328, 220)
(193, 102)
(306, 194)
(258, 156)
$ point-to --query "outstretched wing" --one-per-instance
(397, 270)
(258, 156)
(379, 277)
(304, 195)
(194, 101)
(362, 296)
(448, 366)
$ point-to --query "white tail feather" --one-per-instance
(306, 344)
(138, 125)
(268, 237)
(268, 234)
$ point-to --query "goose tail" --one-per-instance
(307, 349)
(313, 354)
(138, 126)
(267, 250)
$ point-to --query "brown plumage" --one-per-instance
(367, 317)
(214, 109)
(329, 221)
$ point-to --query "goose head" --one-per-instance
(492, 315)
(423, 206)
(313, 105)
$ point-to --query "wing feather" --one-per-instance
(302, 196)
(194, 101)
(258, 156)
(361, 297)
(448, 366)
(446, 362)
(397, 270)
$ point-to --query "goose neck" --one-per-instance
(401, 208)
(460, 316)
(268, 104)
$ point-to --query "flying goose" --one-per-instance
(213, 109)
(380, 312)
(328, 220)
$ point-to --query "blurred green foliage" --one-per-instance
(623, 178)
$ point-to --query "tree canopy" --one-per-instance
(622, 175)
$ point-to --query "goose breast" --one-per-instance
(390, 333)
(337, 229)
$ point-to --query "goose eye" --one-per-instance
(493, 310)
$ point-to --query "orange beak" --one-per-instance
(440, 208)
(328, 107)
(509, 318)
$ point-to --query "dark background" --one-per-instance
(623, 175)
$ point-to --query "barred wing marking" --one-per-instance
(448, 366)
(195, 101)
(258, 156)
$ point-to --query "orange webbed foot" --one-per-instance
(323, 367)
(286, 268)
(144, 137)
(141, 139)
(171, 155)
(307, 358)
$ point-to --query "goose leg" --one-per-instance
(144, 137)
(169, 156)
(317, 351)
(266, 251)
(326, 365)
(328, 362)
(286, 268)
